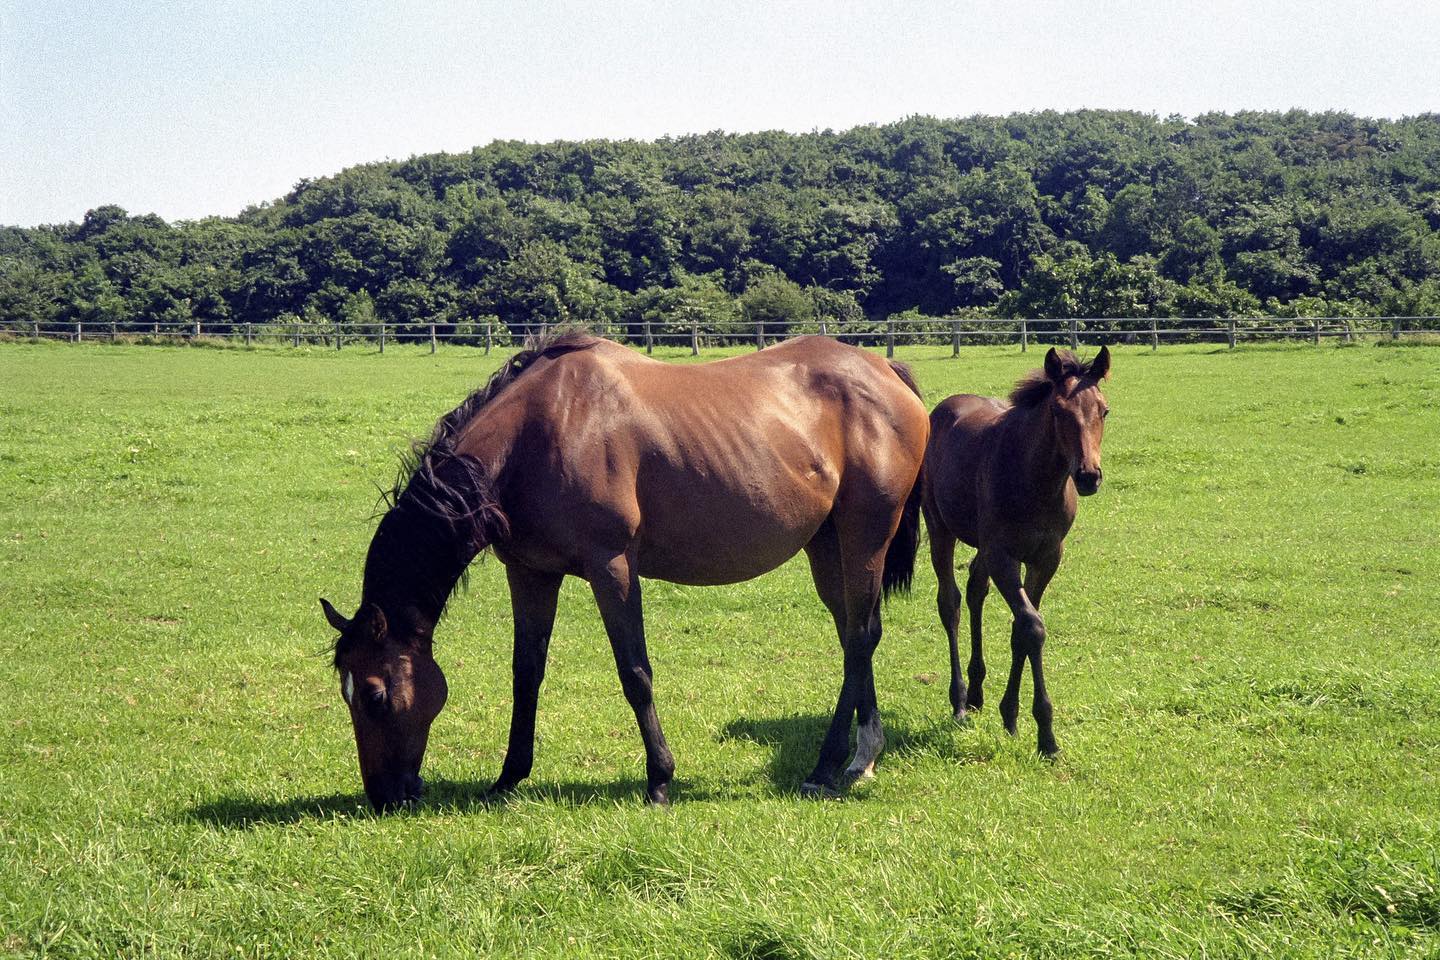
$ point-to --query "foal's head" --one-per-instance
(1078, 409)
(394, 689)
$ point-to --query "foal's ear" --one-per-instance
(333, 616)
(1054, 369)
(1100, 366)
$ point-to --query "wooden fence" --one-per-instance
(957, 333)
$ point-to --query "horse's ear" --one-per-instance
(333, 616)
(1054, 369)
(372, 619)
(1100, 366)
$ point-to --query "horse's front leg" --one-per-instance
(616, 585)
(533, 595)
(1037, 578)
(1027, 633)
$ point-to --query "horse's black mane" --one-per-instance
(443, 509)
(1036, 385)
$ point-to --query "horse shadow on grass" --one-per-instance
(442, 796)
(796, 741)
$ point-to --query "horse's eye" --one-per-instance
(377, 704)
(1104, 413)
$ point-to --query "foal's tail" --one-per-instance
(900, 557)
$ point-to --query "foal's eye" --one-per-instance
(1104, 413)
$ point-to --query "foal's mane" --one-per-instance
(1035, 386)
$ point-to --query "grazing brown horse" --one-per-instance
(583, 457)
(1003, 478)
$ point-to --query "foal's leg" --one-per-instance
(1027, 632)
(532, 602)
(1037, 577)
(947, 604)
(616, 585)
(977, 587)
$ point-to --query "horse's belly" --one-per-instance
(713, 541)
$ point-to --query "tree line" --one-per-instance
(1044, 215)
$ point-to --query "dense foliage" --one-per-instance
(1099, 214)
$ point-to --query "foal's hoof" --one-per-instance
(658, 796)
(818, 791)
(962, 717)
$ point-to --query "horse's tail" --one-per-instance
(900, 557)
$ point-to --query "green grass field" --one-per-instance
(1243, 657)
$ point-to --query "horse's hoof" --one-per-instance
(658, 796)
(1050, 752)
(962, 718)
(818, 791)
(854, 774)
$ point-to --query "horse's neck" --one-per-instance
(1029, 443)
(411, 569)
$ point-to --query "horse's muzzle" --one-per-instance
(396, 792)
(1087, 482)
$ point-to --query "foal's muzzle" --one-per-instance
(1087, 481)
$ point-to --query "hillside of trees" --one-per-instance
(1044, 215)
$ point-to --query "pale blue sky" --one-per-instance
(188, 109)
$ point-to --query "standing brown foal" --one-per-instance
(1003, 478)
(584, 458)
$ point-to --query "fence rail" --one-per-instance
(956, 333)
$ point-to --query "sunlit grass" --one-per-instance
(1242, 655)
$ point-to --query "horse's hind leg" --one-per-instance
(616, 585)
(863, 543)
(947, 604)
(532, 601)
(826, 568)
(977, 587)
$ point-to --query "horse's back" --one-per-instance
(717, 471)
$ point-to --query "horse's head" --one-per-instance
(394, 689)
(1079, 410)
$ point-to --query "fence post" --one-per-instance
(1349, 331)
(890, 335)
(487, 336)
(36, 325)
(1154, 334)
(337, 334)
(112, 331)
(197, 329)
(248, 333)
(824, 329)
(954, 338)
(649, 338)
(79, 333)
(382, 336)
(1024, 334)
(1074, 334)
(1317, 331)
(1232, 333)
(1394, 328)
(432, 338)
(759, 335)
(295, 329)
(694, 338)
